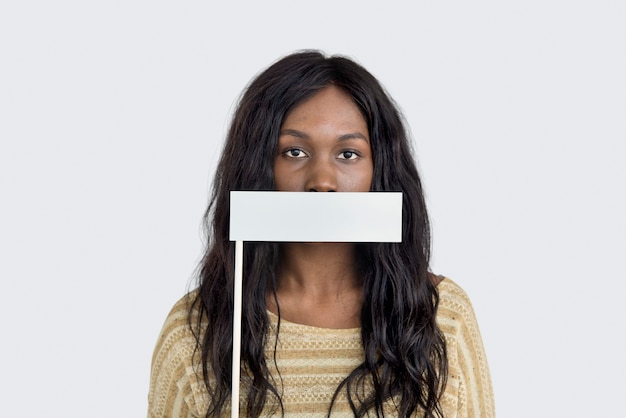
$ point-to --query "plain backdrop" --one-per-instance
(112, 116)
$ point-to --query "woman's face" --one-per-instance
(324, 146)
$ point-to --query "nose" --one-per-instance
(321, 178)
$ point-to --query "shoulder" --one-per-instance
(176, 335)
(469, 386)
(176, 326)
(455, 313)
(173, 372)
(453, 299)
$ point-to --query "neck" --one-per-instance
(318, 268)
(319, 284)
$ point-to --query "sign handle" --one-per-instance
(237, 329)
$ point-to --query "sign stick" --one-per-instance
(237, 329)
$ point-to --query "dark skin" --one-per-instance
(324, 146)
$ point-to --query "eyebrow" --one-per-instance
(302, 135)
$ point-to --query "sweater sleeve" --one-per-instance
(172, 375)
(469, 367)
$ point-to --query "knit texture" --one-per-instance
(313, 361)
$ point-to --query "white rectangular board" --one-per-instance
(316, 217)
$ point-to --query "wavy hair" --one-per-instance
(405, 352)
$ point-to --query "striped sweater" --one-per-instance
(313, 361)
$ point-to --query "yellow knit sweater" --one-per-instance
(313, 361)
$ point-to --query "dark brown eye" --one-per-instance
(295, 153)
(348, 155)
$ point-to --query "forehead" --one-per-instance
(330, 105)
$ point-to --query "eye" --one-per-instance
(348, 155)
(295, 153)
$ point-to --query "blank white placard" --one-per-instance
(316, 217)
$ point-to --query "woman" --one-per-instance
(328, 329)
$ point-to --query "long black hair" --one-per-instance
(405, 352)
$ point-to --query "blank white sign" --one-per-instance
(316, 217)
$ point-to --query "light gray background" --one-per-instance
(111, 120)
